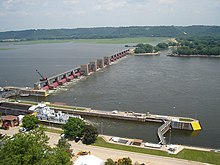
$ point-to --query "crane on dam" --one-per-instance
(43, 78)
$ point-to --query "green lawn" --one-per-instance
(195, 155)
(53, 130)
(6, 48)
(50, 105)
(186, 119)
(200, 156)
(122, 40)
(65, 107)
(41, 42)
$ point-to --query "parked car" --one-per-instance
(62, 136)
(2, 136)
(22, 129)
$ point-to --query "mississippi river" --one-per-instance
(162, 85)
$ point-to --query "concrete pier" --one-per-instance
(84, 69)
(107, 61)
(100, 63)
(168, 121)
(121, 115)
(93, 66)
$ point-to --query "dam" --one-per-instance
(43, 87)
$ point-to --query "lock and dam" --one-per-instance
(47, 84)
(168, 122)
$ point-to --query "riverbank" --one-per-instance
(146, 155)
(201, 56)
(188, 153)
(95, 41)
(147, 54)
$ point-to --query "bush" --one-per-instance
(30, 122)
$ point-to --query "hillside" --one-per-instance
(111, 32)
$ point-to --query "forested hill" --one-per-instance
(111, 32)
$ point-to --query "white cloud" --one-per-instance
(22, 14)
(71, 2)
(167, 1)
(109, 5)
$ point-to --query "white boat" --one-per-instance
(46, 113)
(24, 94)
(1, 89)
(152, 145)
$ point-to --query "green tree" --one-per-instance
(172, 43)
(90, 134)
(143, 48)
(124, 161)
(109, 161)
(156, 49)
(184, 50)
(162, 45)
(148, 48)
(31, 149)
(30, 121)
(73, 128)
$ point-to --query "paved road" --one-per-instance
(105, 153)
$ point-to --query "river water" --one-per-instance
(162, 85)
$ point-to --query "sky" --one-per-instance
(53, 14)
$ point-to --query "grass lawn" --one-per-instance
(41, 42)
(65, 106)
(6, 48)
(186, 119)
(195, 155)
(51, 105)
(53, 130)
(122, 40)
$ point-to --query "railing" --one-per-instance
(162, 130)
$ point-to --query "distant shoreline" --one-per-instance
(147, 54)
(201, 56)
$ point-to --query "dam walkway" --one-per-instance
(162, 130)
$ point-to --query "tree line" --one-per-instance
(147, 48)
(197, 46)
(111, 32)
(32, 147)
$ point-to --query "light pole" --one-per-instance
(75, 101)
(174, 110)
(119, 105)
(101, 128)
(170, 137)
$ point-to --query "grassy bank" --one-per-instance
(51, 105)
(41, 42)
(6, 48)
(53, 130)
(194, 155)
(122, 40)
